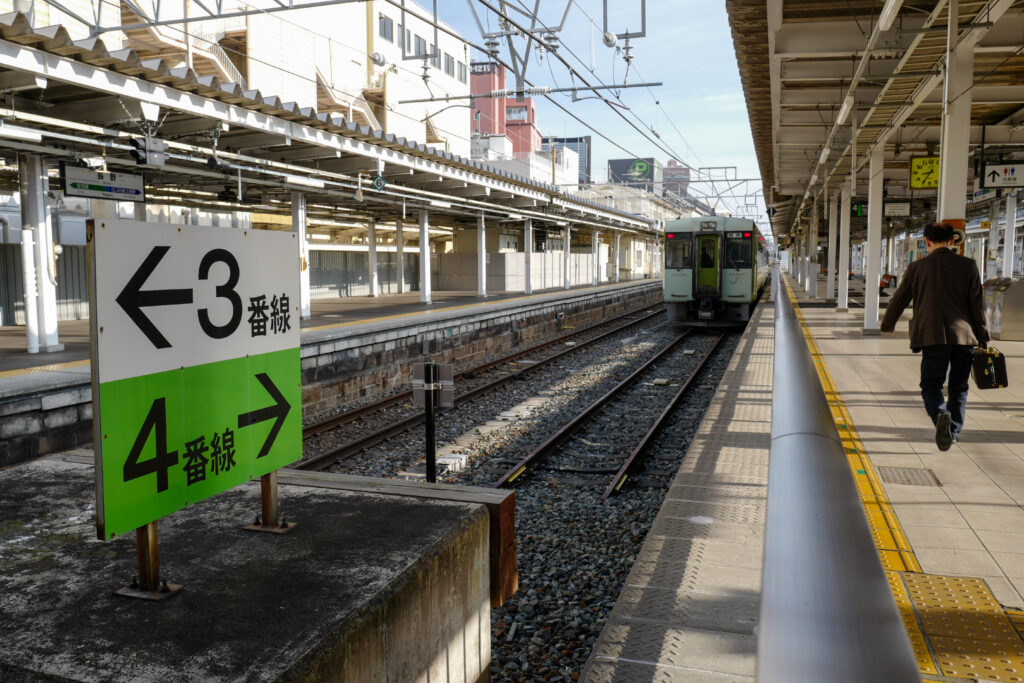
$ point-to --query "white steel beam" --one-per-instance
(843, 300)
(873, 252)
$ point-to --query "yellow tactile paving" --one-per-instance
(925, 663)
(43, 368)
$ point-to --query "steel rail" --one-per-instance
(356, 413)
(620, 477)
(827, 612)
(352, 447)
(571, 427)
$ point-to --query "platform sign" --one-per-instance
(196, 370)
(83, 182)
(1003, 175)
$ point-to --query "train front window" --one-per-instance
(679, 252)
(738, 252)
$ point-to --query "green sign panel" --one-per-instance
(175, 440)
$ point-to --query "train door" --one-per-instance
(707, 275)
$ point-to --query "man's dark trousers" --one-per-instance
(935, 361)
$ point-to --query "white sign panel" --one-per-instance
(83, 182)
(897, 209)
(1004, 175)
(170, 296)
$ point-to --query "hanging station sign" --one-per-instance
(196, 369)
(77, 181)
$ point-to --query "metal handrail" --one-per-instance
(827, 612)
(208, 43)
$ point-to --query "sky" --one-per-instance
(702, 117)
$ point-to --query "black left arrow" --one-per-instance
(132, 299)
(276, 412)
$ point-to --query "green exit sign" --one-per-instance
(196, 366)
(859, 209)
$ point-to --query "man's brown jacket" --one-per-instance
(948, 303)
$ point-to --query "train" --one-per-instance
(715, 270)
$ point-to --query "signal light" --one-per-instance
(671, 236)
(746, 234)
(148, 151)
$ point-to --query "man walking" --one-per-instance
(949, 320)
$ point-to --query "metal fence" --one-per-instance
(346, 273)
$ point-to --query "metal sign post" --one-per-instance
(432, 387)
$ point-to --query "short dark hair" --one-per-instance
(939, 232)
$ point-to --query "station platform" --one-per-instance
(949, 526)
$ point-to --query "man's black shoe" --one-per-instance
(944, 431)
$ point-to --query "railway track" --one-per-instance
(408, 418)
(582, 448)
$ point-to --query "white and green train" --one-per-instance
(715, 269)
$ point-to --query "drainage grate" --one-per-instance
(915, 476)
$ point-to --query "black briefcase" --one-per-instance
(989, 369)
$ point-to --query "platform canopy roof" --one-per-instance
(77, 99)
(808, 66)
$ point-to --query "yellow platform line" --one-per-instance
(955, 625)
(44, 368)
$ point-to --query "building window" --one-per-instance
(462, 73)
(421, 47)
(515, 113)
(407, 40)
(435, 56)
(386, 28)
(449, 65)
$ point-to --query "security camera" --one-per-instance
(94, 162)
(609, 39)
(378, 59)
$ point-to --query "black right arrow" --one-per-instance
(276, 412)
(993, 175)
(132, 299)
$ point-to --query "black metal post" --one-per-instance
(429, 401)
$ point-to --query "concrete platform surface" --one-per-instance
(367, 587)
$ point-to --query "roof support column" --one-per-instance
(992, 253)
(1010, 235)
(399, 255)
(830, 276)
(481, 256)
(424, 258)
(140, 213)
(956, 124)
(618, 255)
(812, 253)
(567, 262)
(873, 249)
(299, 228)
(371, 228)
(595, 241)
(842, 302)
(528, 255)
(38, 257)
